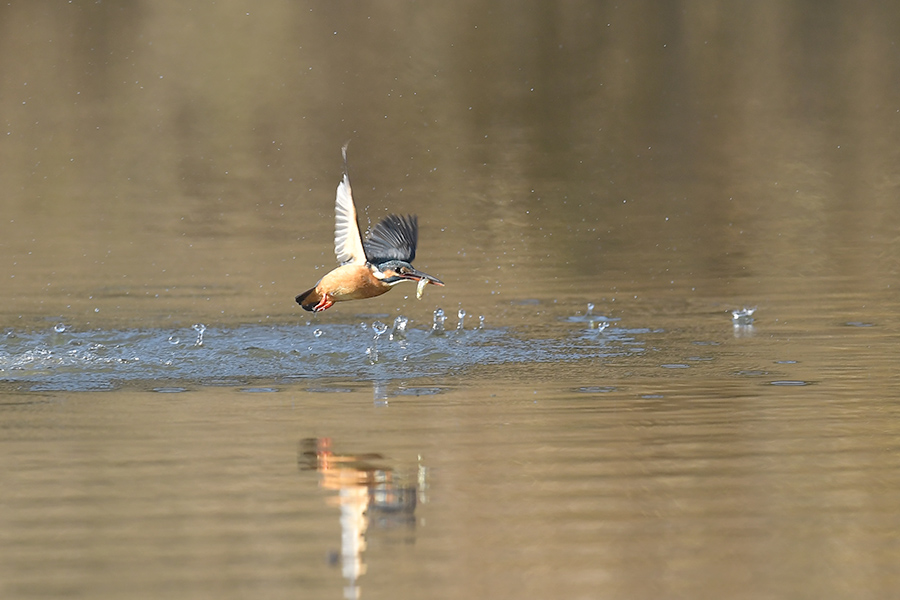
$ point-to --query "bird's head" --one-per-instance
(393, 272)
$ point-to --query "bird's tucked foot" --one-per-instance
(325, 303)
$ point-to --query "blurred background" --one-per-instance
(167, 161)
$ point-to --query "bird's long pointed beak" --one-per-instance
(419, 275)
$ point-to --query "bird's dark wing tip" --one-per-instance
(394, 238)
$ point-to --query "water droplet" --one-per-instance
(480, 321)
(462, 316)
(437, 327)
(398, 332)
(173, 339)
(379, 328)
(199, 328)
(59, 327)
(590, 310)
(318, 333)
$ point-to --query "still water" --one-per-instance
(664, 364)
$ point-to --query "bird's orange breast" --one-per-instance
(351, 282)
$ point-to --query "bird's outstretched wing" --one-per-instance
(348, 244)
(394, 238)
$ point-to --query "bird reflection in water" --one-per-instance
(367, 492)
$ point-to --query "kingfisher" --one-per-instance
(368, 268)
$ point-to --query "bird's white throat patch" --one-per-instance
(381, 275)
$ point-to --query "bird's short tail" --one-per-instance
(309, 299)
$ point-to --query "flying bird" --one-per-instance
(368, 268)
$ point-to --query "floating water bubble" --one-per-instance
(59, 328)
(398, 332)
(318, 333)
(200, 328)
(437, 328)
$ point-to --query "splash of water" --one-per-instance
(200, 328)
(743, 316)
(742, 321)
(398, 332)
(380, 329)
(461, 315)
(437, 328)
(599, 325)
(101, 359)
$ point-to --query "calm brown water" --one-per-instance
(174, 425)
